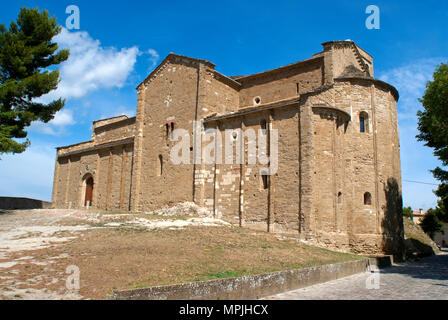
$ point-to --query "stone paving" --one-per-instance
(426, 279)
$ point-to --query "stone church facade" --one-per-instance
(338, 177)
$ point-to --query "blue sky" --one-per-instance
(119, 43)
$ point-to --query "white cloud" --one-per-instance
(63, 118)
(154, 58)
(41, 127)
(90, 66)
(56, 126)
(410, 80)
(119, 112)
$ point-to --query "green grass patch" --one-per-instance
(225, 274)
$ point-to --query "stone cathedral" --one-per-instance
(338, 181)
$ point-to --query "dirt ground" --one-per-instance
(39, 249)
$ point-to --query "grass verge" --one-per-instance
(124, 258)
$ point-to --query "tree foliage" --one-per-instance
(433, 125)
(407, 212)
(433, 220)
(27, 54)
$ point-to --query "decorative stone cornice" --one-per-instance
(279, 69)
(380, 83)
(106, 145)
(268, 106)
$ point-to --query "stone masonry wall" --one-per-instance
(114, 131)
(110, 169)
(281, 85)
(169, 100)
(326, 165)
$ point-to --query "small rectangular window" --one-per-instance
(362, 127)
(367, 199)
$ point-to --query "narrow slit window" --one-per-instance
(339, 197)
(265, 181)
(298, 88)
(167, 129)
(160, 166)
(172, 128)
(263, 126)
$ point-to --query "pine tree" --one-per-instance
(27, 54)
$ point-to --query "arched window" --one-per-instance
(367, 199)
(88, 190)
(363, 122)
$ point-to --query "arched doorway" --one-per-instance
(89, 192)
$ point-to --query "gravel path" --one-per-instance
(27, 237)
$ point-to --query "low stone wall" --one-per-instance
(252, 287)
(12, 203)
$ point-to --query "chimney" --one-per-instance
(420, 210)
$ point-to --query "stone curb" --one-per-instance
(252, 287)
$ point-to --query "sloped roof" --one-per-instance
(238, 78)
(351, 71)
(173, 55)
